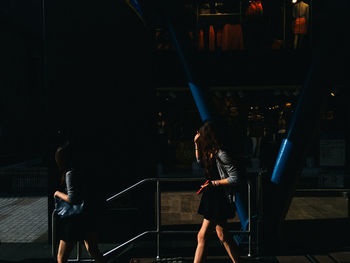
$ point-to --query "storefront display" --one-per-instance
(224, 25)
(300, 23)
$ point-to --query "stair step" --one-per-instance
(210, 259)
(161, 260)
(177, 260)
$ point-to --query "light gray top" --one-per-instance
(227, 169)
(73, 187)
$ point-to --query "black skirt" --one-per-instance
(75, 228)
(215, 206)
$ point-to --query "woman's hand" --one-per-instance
(203, 187)
(207, 184)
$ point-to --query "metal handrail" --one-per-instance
(158, 230)
(152, 180)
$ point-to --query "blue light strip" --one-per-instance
(196, 91)
(282, 160)
(241, 208)
(199, 100)
(136, 7)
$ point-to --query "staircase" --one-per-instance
(144, 240)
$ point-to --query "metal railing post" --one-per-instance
(249, 223)
(158, 219)
(348, 201)
(53, 234)
(259, 210)
(78, 251)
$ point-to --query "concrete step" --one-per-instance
(210, 259)
(338, 257)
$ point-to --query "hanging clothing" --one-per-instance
(232, 37)
(211, 38)
(201, 44)
(255, 8)
(300, 14)
(300, 26)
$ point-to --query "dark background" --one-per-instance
(87, 71)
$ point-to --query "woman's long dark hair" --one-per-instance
(64, 160)
(212, 139)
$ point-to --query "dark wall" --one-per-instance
(98, 57)
(22, 99)
(101, 98)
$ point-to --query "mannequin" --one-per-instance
(300, 15)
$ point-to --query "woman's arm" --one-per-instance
(196, 151)
(62, 196)
(220, 182)
(215, 183)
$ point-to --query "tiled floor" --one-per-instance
(23, 219)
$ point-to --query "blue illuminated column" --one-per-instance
(291, 156)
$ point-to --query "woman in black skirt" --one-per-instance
(81, 227)
(217, 202)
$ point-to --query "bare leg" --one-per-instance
(228, 242)
(91, 245)
(202, 237)
(64, 250)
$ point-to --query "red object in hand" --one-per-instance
(204, 185)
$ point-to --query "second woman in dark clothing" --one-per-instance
(82, 227)
(217, 202)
